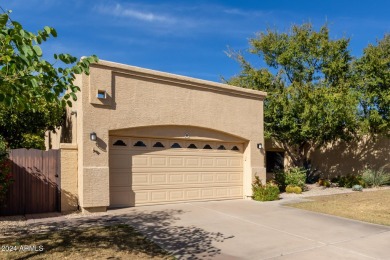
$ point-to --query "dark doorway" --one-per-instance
(274, 161)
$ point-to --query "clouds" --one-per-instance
(181, 19)
(131, 12)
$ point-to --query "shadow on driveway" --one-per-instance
(188, 242)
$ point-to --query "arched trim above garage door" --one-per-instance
(179, 132)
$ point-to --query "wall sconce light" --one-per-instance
(259, 146)
(93, 137)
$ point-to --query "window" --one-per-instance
(158, 144)
(102, 94)
(175, 145)
(140, 144)
(192, 146)
(221, 147)
(235, 148)
(119, 143)
(207, 146)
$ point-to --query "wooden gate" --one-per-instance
(37, 181)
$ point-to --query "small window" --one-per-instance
(101, 94)
(140, 144)
(207, 146)
(221, 147)
(158, 144)
(192, 146)
(119, 143)
(235, 148)
(175, 145)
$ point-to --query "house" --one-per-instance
(137, 137)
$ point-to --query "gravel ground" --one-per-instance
(315, 190)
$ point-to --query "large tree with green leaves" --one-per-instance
(372, 82)
(310, 102)
(33, 91)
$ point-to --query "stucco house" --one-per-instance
(137, 137)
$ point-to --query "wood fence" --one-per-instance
(36, 186)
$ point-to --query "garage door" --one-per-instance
(152, 171)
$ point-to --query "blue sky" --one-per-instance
(190, 37)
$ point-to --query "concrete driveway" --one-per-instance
(242, 229)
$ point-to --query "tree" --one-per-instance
(27, 128)
(372, 81)
(33, 91)
(310, 102)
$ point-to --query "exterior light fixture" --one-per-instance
(259, 146)
(93, 137)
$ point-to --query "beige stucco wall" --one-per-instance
(140, 97)
(69, 198)
(341, 158)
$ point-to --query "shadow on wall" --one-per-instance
(342, 158)
(69, 202)
(67, 128)
(186, 242)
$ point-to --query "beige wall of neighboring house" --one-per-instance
(341, 158)
(151, 106)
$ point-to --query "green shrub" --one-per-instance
(267, 192)
(349, 180)
(5, 171)
(296, 177)
(280, 179)
(357, 188)
(293, 189)
(327, 183)
(324, 183)
(3, 148)
(376, 178)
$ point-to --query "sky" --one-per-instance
(190, 38)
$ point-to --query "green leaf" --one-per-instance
(3, 20)
(34, 83)
(74, 97)
(37, 50)
(53, 32)
(47, 29)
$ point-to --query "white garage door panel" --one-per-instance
(144, 174)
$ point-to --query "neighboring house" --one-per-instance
(160, 138)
